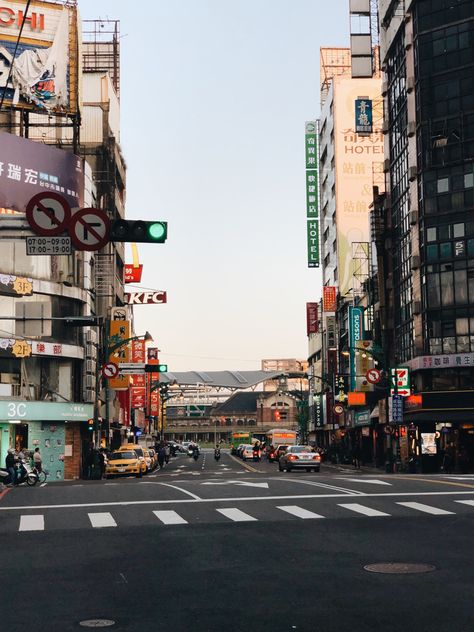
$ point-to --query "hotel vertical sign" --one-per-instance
(312, 192)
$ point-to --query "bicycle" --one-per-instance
(42, 476)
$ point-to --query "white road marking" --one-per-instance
(335, 488)
(299, 512)
(43, 484)
(236, 515)
(374, 481)
(124, 503)
(31, 523)
(366, 511)
(180, 489)
(241, 483)
(465, 502)
(102, 519)
(170, 517)
(426, 509)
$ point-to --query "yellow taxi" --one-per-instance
(140, 453)
(124, 463)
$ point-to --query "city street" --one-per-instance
(246, 546)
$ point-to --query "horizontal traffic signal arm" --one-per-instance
(138, 231)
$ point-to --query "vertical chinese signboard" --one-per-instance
(311, 318)
(312, 192)
(119, 330)
(363, 116)
(138, 391)
(329, 298)
(154, 397)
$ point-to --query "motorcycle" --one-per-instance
(217, 454)
(196, 455)
(190, 452)
(23, 475)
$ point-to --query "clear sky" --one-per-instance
(214, 96)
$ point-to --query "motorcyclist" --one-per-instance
(256, 451)
(217, 453)
(11, 465)
(195, 452)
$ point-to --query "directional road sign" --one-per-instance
(48, 213)
(89, 229)
(373, 376)
(110, 370)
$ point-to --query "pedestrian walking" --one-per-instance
(102, 462)
(37, 460)
(11, 466)
(167, 452)
(161, 456)
(356, 456)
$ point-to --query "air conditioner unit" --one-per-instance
(415, 262)
(413, 217)
(386, 165)
(88, 395)
(89, 381)
(410, 83)
(411, 128)
(384, 88)
(90, 366)
(91, 335)
(412, 173)
(91, 352)
(417, 307)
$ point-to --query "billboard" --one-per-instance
(44, 75)
(311, 318)
(329, 298)
(357, 158)
(28, 168)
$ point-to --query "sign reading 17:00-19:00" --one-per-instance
(48, 246)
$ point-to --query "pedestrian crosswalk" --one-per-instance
(190, 513)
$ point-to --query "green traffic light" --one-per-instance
(162, 368)
(157, 230)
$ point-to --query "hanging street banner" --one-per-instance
(329, 298)
(28, 168)
(119, 330)
(312, 318)
(145, 298)
(312, 192)
(363, 116)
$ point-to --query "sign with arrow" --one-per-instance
(400, 381)
(48, 214)
(89, 229)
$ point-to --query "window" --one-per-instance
(446, 250)
(443, 185)
(447, 289)
(432, 252)
(458, 230)
(431, 234)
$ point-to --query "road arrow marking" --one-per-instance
(374, 481)
(243, 483)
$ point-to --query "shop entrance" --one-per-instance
(466, 448)
(21, 437)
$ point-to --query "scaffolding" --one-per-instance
(101, 48)
(334, 62)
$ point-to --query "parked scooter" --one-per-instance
(23, 475)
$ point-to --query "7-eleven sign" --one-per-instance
(400, 381)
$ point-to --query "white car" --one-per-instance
(299, 456)
(247, 452)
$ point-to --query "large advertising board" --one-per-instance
(44, 75)
(357, 158)
(28, 168)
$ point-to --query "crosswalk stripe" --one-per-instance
(465, 502)
(102, 519)
(299, 512)
(426, 508)
(236, 515)
(32, 523)
(367, 511)
(170, 517)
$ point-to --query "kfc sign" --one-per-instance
(145, 298)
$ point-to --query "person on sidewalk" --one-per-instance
(37, 460)
(161, 456)
(356, 456)
(11, 466)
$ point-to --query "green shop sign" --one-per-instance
(45, 411)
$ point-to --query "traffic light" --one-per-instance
(90, 424)
(138, 231)
(156, 368)
(276, 415)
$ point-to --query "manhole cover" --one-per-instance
(399, 568)
(97, 623)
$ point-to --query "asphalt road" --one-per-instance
(239, 546)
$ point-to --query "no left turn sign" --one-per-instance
(89, 229)
(48, 214)
(110, 370)
(373, 376)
